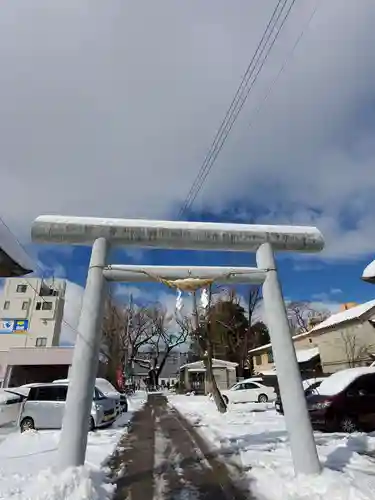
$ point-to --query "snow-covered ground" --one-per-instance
(253, 437)
(27, 463)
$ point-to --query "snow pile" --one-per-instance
(76, 483)
(27, 461)
(305, 355)
(253, 438)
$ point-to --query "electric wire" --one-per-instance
(231, 116)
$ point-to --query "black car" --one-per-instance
(310, 389)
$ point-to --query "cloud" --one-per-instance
(109, 108)
(325, 305)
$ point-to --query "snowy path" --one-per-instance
(27, 463)
(252, 437)
(166, 459)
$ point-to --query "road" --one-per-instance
(163, 457)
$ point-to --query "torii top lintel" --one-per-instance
(175, 234)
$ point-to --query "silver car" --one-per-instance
(44, 406)
(108, 390)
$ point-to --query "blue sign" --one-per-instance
(10, 326)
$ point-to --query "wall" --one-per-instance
(262, 361)
(308, 342)
(231, 378)
(345, 347)
(221, 378)
(266, 363)
(339, 348)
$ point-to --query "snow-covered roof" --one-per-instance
(353, 313)
(217, 363)
(305, 355)
(369, 272)
(22, 264)
(268, 373)
(339, 381)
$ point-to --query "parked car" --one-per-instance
(345, 401)
(111, 392)
(44, 405)
(108, 390)
(310, 386)
(249, 391)
(10, 405)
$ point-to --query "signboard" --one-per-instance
(11, 326)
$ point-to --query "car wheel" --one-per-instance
(262, 398)
(91, 424)
(348, 424)
(27, 424)
(225, 399)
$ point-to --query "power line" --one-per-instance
(220, 140)
(239, 100)
(249, 71)
(285, 63)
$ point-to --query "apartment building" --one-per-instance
(31, 312)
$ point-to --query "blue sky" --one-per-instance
(304, 277)
(119, 123)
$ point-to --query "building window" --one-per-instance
(310, 340)
(41, 342)
(270, 356)
(38, 306)
(6, 304)
(258, 359)
(47, 306)
(25, 305)
(21, 288)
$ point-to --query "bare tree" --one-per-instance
(257, 332)
(302, 315)
(166, 336)
(126, 330)
(114, 338)
(203, 332)
(139, 329)
(357, 352)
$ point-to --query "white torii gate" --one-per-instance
(102, 233)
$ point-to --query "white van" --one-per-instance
(44, 405)
(108, 390)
